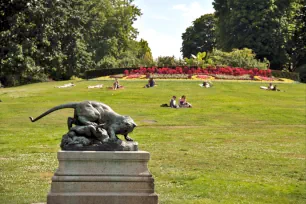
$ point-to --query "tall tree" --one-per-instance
(295, 31)
(114, 29)
(259, 25)
(200, 37)
(62, 38)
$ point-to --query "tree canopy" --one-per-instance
(62, 38)
(271, 28)
(200, 37)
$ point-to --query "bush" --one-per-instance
(237, 58)
(302, 72)
(288, 75)
(75, 78)
(105, 72)
(18, 80)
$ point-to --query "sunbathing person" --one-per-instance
(206, 84)
(99, 86)
(66, 85)
(184, 103)
(274, 88)
(271, 87)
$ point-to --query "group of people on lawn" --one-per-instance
(182, 102)
(151, 83)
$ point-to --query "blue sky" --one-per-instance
(163, 22)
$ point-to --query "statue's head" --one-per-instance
(125, 125)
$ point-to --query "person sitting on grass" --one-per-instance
(173, 102)
(116, 85)
(151, 83)
(184, 103)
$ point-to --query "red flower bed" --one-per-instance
(202, 76)
(233, 71)
(133, 76)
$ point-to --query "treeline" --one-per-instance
(273, 29)
(64, 38)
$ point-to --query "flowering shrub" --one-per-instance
(136, 76)
(229, 77)
(170, 76)
(223, 70)
(202, 76)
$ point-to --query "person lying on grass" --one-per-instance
(271, 87)
(274, 89)
(184, 103)
(206, 84)
(99, 86)
(66, 85)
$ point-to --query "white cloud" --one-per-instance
(181, 7)
(162, 41)
(160, 17)
(193, 10)
(161, 44)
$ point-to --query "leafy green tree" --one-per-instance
(262, 26)
(165, 61)
(114, 28)
(144, 53)
(296, 35)
(200, 36)
(62, 38)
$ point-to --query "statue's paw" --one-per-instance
(127, 138)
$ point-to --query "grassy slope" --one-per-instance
(238, 144)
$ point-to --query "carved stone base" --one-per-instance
(119, 145)
(111, 177)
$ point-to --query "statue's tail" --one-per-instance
(67, 105)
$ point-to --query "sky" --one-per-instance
(164, 21)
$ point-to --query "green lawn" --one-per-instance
(238, 144)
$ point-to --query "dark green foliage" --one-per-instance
(65, 38)
(200, 37)
(105, 72)
(270, 28)
(296, 44)
(302, 72)
(288, 75)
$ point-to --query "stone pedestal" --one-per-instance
(102, 177)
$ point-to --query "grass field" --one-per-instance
(238, 144)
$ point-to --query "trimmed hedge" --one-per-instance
(104, 72)
(288, 75)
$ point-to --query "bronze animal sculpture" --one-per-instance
(96, 114)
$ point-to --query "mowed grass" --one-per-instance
(238, 144)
